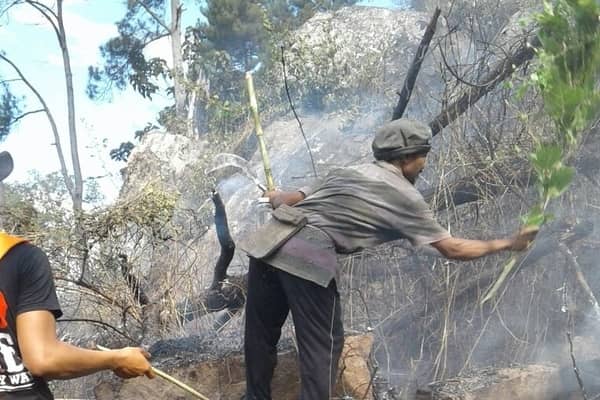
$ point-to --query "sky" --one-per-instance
(28, 40)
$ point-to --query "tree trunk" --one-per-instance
(178, 77)
(197, 106)
(77, 195)
(61, 158)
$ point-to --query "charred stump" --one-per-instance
(225, 292)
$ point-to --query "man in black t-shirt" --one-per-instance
(30, 352)
(25, 285)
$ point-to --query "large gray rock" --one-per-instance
(165, 159)
(356, 58)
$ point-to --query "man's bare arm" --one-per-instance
(45, 355)
(466, 249)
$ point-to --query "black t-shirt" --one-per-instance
(26, 284)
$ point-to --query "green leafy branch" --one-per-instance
(567, 77)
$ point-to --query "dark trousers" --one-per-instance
(317, 317)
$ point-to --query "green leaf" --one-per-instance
(546, 157)
(559, 181)
(535, 217)
(521, 91)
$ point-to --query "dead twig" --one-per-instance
(581, 279)
(575, 369)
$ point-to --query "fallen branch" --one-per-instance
(575, 369)
(581, 278)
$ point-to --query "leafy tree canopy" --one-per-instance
(568, 80)
(235, 26)
(242, 27)
(124, 60)
(10, 108)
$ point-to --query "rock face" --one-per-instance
(161, 153)
(224, 378)
(530, 382)
(533, 382)
(356, 54)
(164, 158)
(355, 379)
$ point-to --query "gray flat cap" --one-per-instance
(6, 165)
(401, 137)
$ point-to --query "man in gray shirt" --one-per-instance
(293, 262)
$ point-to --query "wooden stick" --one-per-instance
(169, 378)
(259, 131)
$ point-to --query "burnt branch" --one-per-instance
(413, 71)
(132, 281)
(224, 293)
(499, 72)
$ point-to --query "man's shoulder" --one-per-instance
(381, 171)
(366, 170)
(24, 251)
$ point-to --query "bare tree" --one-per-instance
(55, 18)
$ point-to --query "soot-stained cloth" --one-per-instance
(354, 208)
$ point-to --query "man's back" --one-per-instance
(370, 204)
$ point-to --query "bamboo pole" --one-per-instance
(259, 132)
(169, 378)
